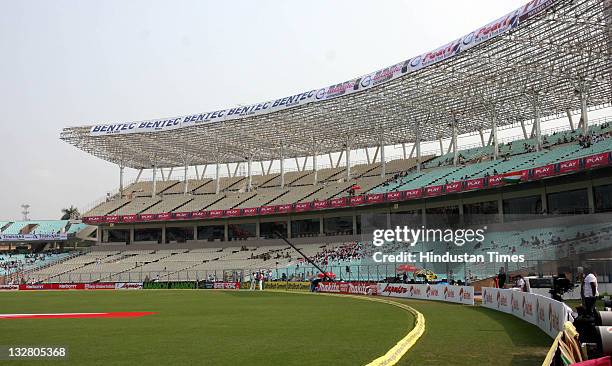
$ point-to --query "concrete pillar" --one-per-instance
(348, 161)
(455, 149)
(217, 179)
(132, 235)
(249, 174)
(536, 122)
(494, 136)
(383, 163)
(321, 226)
(154, 182)
(417, 143)
(185, 180)
(282, 167)
(583, 113)
(314, 168)
(570, 120)
(120, 181)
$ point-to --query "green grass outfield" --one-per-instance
(207, 327)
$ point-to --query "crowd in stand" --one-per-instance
(345, 252)
(13, 263)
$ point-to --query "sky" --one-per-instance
(72, 63)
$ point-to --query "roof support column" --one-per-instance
(154, 181)
(249, 174)
(217, 177)
(348, 160)
(441, 146)
(185, 180)
(583, 109)
(139, 174)
(536, 121)
(383, 163)
(455, 149)
(404, 150)
(482, 138)
(121, 181)
(314, 167)
(417, 144)
(494, 136)
(282, 166)
(570, 120)
(525, 135)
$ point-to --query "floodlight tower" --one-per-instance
(25, 211)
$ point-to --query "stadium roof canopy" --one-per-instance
(553, 55)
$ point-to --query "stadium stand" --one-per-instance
(400, 174)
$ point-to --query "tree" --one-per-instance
(70, 213)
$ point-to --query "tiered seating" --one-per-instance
(263, 197)
(332, 182)
(168, 203)
(145, 189)
(137, 205)
(199, 203)
(231, 200)
(108, 207)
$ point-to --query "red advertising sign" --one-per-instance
(147, 217)
(596, 160)
(495, 181)
(338, 202)
(358, 288)
(128, 218)
(302, 206)
(284, 208)
(433, 191)
(477, 183)
(182, 215)
(215, 213)
(375, 198)
(320, 204)
(394, 196)
(164, 216)
(543, 171)
(227, 285)
(199, 214)
(233, 212)
(100, 286)
(249, 211)
(266, 210)
(412, 194)
(569, 166)
(357, 200)
(453, 187)
(112, 219)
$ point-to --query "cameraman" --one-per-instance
(589, 291)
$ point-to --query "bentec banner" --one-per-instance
(544, 312)
(480, 35)
(33, 237)
(355, 288)
(449, 293)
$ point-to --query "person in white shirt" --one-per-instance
(520, 283)
(590, 292)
